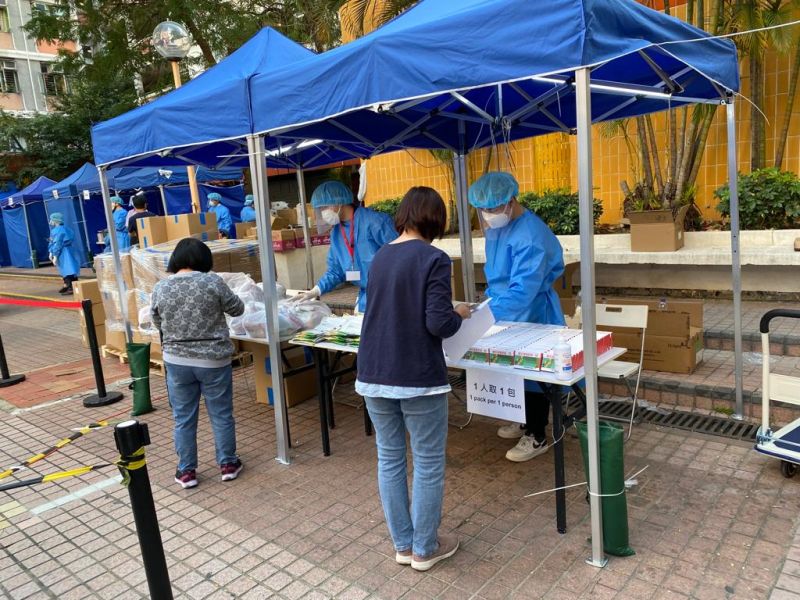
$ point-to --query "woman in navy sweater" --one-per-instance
(403, 376)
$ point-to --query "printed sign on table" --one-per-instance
(498, 395)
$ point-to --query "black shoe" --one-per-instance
(64, 289)
(67, 292)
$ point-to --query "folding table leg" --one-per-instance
(554, 394)
(319, 358)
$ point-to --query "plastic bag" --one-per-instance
(255, 323)
(309, 313)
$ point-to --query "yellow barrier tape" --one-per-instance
(70, 473)
(126, 466)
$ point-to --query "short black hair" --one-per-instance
(422, 209)
(139, 200)
(191, 253)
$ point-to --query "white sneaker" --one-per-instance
(511, 431)
(527, 448)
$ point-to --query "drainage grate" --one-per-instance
(721, 426)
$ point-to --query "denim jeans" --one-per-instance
(185, 384)
(425, 417)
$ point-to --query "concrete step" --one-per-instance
(780, 344)
(711, 387)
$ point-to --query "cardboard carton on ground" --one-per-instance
(657, 230)
(674, 335)
(152, 231)
(283, 240)
(115, 338)
(99, 331)
(297, 388)
(106, 274)
(242, 229)
(87, 289)
(199, 225)
(288, 214)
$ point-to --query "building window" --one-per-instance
(47, 8)
(9, 84)
(5, 26)
(54, 82)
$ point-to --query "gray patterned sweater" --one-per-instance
(189, 310)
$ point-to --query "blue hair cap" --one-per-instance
(493, 189)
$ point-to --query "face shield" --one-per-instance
(326, 217)
(495, 218)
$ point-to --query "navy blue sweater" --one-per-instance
(408, 313)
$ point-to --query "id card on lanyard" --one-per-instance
(352, 274)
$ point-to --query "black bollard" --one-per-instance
(131, 438)
(7, 379)
(102, 397)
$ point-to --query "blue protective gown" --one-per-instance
(373, 230)
(62, 247)
(248, 214)
(224, 221)
(523, 260)
(121, 226)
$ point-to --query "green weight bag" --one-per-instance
(139, 358)
(612, 481)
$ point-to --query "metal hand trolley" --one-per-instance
(784, 443)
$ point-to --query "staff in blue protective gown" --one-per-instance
(523, 260)
(224, 221)
(63, 253)
(356, 235)
(248, 212)
(120, 216)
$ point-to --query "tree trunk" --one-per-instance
(641, 131)
(757, 126)
(700, 146)
(200, 40)
(783, 132)
(701, 14)
(684, 164)
(673, 156)
(656, 162)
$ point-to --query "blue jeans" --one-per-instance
(425, 417)
(185, 384)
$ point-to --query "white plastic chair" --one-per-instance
(634, 317)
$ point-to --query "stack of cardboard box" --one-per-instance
(297, 387)
(157, 230)
(673, 338)
(90, 290)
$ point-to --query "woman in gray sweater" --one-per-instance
(189, 310)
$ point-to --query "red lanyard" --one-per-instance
(351, 243)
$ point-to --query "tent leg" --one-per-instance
(258, 172)
(301, 187)
(112, 236)
(464, 226)
(31, 251)
(584, 123)
(89, 254)
(733, 185)
(163, 199)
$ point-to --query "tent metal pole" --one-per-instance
(583, 108)
(733, 185)
(462, 208)
(258, 172)
(163, 199)
(89, 253)
(301, 189)
(34, 258)
(112, 237)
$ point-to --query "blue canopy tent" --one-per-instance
(26, 226)
(466, 75)
(5, 258)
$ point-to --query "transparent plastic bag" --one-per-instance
(255, 323)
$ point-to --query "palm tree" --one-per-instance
(359, 17)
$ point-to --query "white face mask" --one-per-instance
(330, 216)
(495, 220)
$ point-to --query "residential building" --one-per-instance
(29, 77)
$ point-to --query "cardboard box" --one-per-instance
(100, 332)
(283, 240)
(297, 388)
(663, 353)
(152, 231)
(152, 338)
(200, 225)
(657, 230)
(674, 335)
(288, 214)
(278, 222)
(113, 311)
(106, 275)
(242, 229)
(87, 289)
(310, 214)
(115, 338)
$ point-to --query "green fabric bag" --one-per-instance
(612, 481)
(139, 359)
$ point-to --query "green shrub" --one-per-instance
(388, 206)
(559, 209)
(768, 199)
